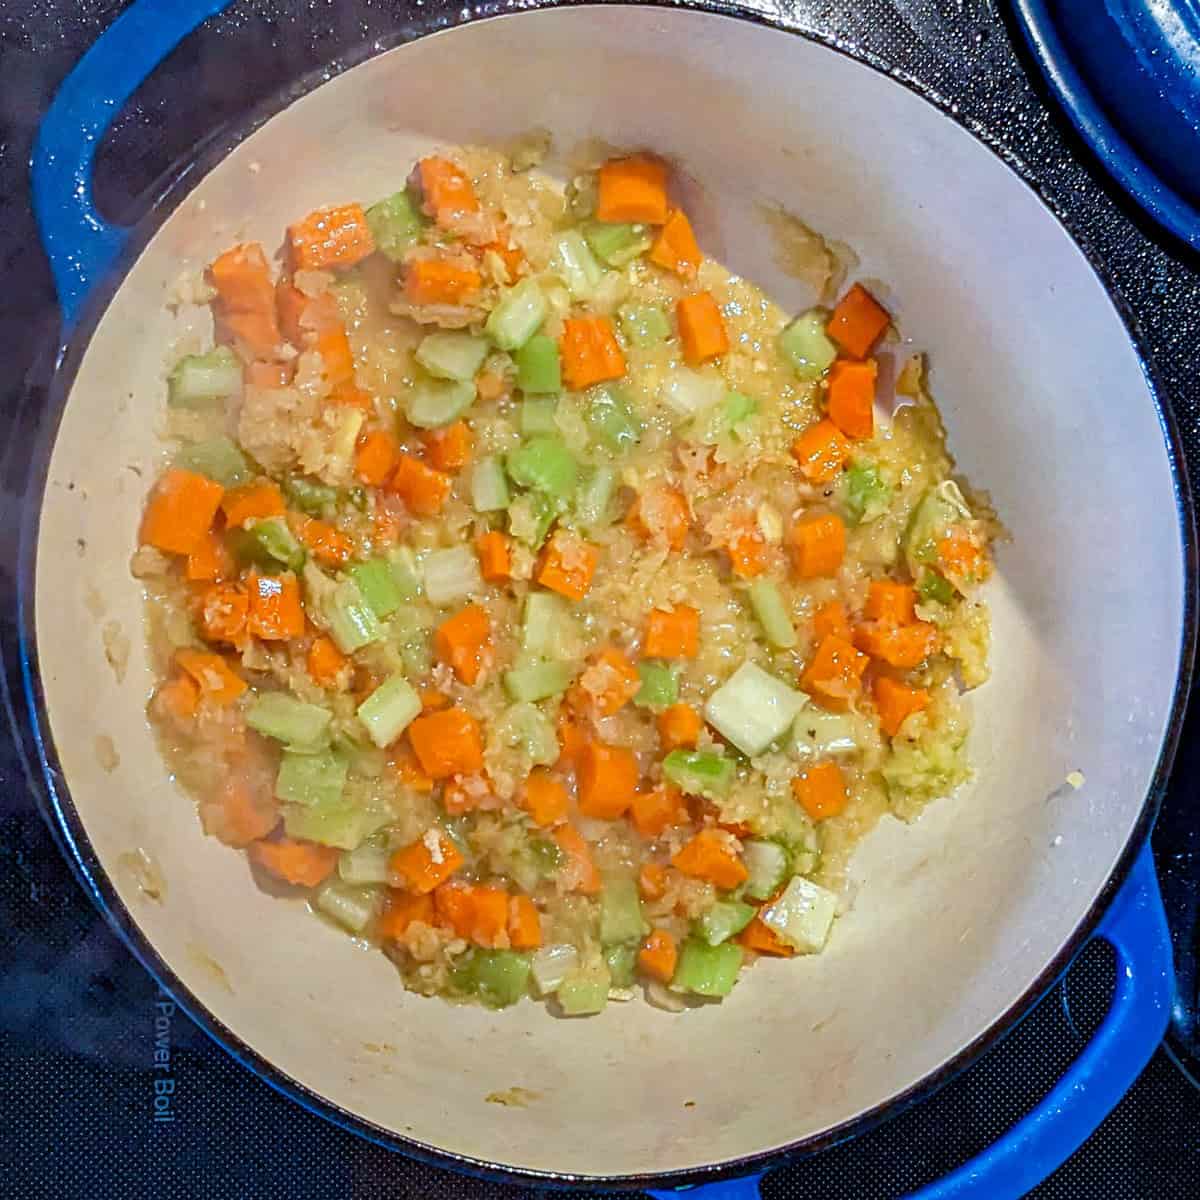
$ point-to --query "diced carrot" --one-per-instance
(524, 924)
(739, 829)
(433, 700)
(661, 512)
(851, 397)
(902, 646)
(571, 738)
(489, 916)
(326, 542)
(674, 634)
(179, 696)
(831, 619)
(217, 682)
(821, 790)
(896, 702)
(590, 352)
(337, 359)
(817, 544)
(747, 550)
(290, 306)
(458, 799)
(858, 321)
(761, 938)
(583, 875)
(822, 452)
(267, 375)
(276, 613)
(375, 458)
(435, 281)
(464, 642)
(410, 773)
(891, 602)
(510, 255)
(302, 863)
(223, 610)
(834, 677)
(422, 489)
(678, 726)
(544, 798)
(245, 302)
(658, 955)
(632, 189)
(567, 565)
(253, 502)
(446, 191)
(675, 248)
(657, 809)
(447, 743)
(337, 236)
(428, 861)
(180, 511)
(326, 663)
(493, 385)
(652, 881)
(402, 909)
(242, 813)
(961, 556)
(702, 331)
(210, 561)
(449, 448)
(710, 856)
(349, 395)
(495, 557)
(610, 682)
(607, 777)
(454, 904)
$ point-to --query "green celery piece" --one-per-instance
(377, 583)
(344, 825)
(935, 587)
(769, 864)
(621, 917)
(311, 778)
(723, 920)
(539, 366)
(250, 552)
(817, 733)
(644, 325)
(300, 726)
(611, 420)
(621, 961)
(351, 907)
(700, 772)
(752, 709)
(530, 517)
(617, 244)
(389, 710)
(278, 542)
(218, 459)
(545, 622)
(723, 419)
(802, 916)
(867, 493)
(433, 403)
(537, 415)
(546, 856)
(455, 356)
(498, 977)
(489, 486)
(544, 464)
(203, 380)
(406, 575)
(365, 864)
(352, 622)
(308, 495)
(525, 726)
(584, 991)
(451, 575)
(772, 614)
(396, 224)
(660, 685)
(594, 497)
(805, 344)
(518, 316)
(537, 681)
(574, 262)
(707, 970)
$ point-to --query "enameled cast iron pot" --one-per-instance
(959, 922)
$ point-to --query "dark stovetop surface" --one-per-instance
(77, 1014)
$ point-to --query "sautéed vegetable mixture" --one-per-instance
(541, 600)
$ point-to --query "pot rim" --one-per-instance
(167, 193)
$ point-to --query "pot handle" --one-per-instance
(1136, 928)
(80, 244)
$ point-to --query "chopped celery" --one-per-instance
(752, 709)
(343, 824)
(594, 497)
(584, 990)
(867, 493)
(433, 403)
(546, 856)
(530, 517)
(395, 224)
(498, 977)
(700, 772)
(389, 709)
(806, 346)
(311, 778)
(299, 726)
(539, 366)
(200, 380)
(250, 552)
(611, 420)
(644, 324)
(365, 864)
(489, 486)
(688, 393)
(772, 614)
(537, 415)
(352, 622)
(278, 542)
(621, 917)
(518, 316)
(707, 970)
(456, 356)
(545, 625)
(942, 505)
(817, 733)
(621, 961)
(551, 965)
(524, 726)
(935, 587)
(378, 586)
(544, 464)
(406, 574)
(451, 575)
(350, 907)
(218, 458)
(724, 919)
(769, 864)
(575, 264)
(725, 418)
(802, 916)
(616, 244)
(309, 496)
(660, 685)
(537, 681)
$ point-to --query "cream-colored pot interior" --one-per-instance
(954, 917)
